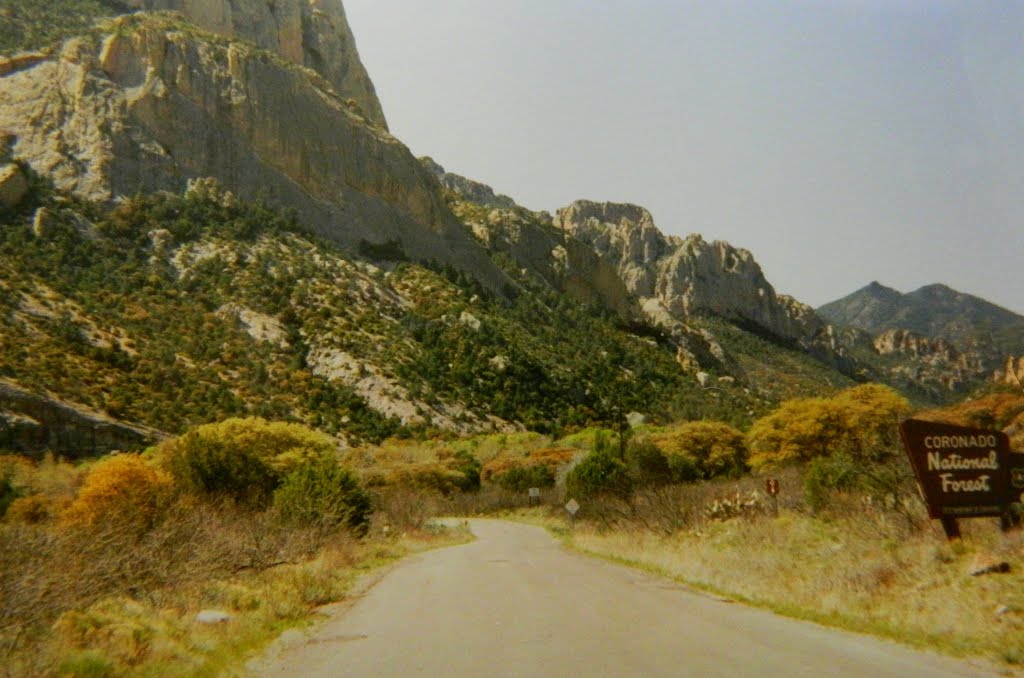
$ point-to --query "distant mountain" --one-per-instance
(933, 335)
(934, 311)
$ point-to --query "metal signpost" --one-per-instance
(534, 494)
(572, 507)
(963, 472)
(772, 487)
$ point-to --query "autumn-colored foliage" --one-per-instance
(703, 450)
(861, 421)
(1002, 410)
(241, 459)
(552, 458)
(122, 490)
(32, 509)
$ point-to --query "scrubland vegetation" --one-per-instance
(28, 25)
(252, 508)
(847, 542)
(104, 565)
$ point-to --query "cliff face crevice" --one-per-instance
(310, 33)
(153, 104)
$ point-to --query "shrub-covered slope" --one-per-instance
(178, 310)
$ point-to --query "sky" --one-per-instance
(840, 141)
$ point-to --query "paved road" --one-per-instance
(515, 603)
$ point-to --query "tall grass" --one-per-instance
(104, 566)
(859, 563)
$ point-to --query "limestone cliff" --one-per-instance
(928, 361)
(311, 33)
(1012, 373)
(473, 191)
(152, 103)
(676, 278)
(540, 250)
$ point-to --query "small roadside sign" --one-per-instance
(534, 494)
(772, 486)
(572, 507)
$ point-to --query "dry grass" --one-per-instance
(114, 622)
(857, 566)
(88, 589)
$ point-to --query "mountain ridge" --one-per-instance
(930, 310)
(433, 302)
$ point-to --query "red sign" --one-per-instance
(772, 486)
(963, 472)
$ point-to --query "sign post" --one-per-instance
(534, 495)
(772, 487)
(962, 472)
(572, 507)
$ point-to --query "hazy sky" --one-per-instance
(840, 141)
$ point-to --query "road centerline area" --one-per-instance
(516, 603)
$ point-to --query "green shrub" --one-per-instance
(601, 472)
(214, 469)
(324, 494)
(684, 468)
(826, 475)
(647, 465)
(8, 491)
(522, 478)
(469, 466)
(242, 459)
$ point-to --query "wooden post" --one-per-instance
(951, 527)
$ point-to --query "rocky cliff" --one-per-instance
(1012, 373)
(151, 103)
(928, 361)
(311, 33)
(675, 278)
(473, 191)
(933, 321)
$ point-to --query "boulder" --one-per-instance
(212, 617)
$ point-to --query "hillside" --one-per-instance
(934, 334)
(173, 311)
(284, 255)
(933, 311)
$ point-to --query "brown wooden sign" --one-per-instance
(963, 472)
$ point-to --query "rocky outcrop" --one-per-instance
(677, 278)
(539, 250)
(927, 361)
(32, 424)
(1012, 373)
(470, 190)
(154, 104)
(311, 33)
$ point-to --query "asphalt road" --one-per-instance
(516, 603)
